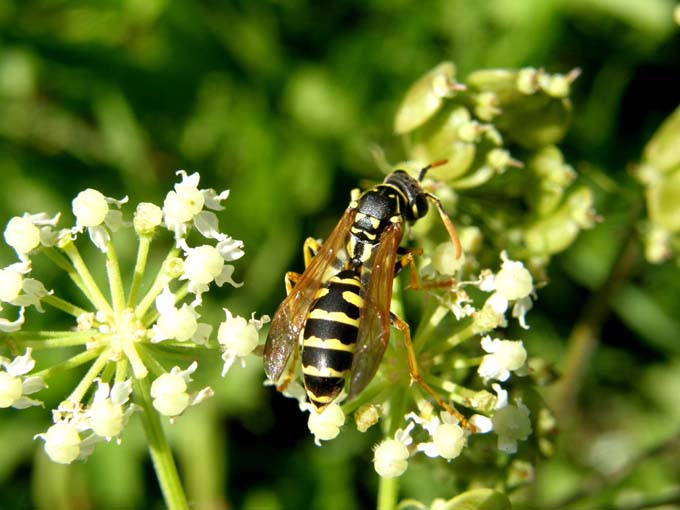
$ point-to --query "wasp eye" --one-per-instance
(419, 206)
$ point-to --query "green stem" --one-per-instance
(75, 338)
(388, 491)
(584, 336)
(73, 362)
(161, 455)
(162, 279)
(93, 292)
(79, 392)
(115, 280)
(140, 266)
(63, 305)
(63, 263)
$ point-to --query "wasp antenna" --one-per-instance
(453, 234)
(424, 170)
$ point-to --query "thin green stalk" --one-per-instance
(75, 361)
(388, 492)
(79, 391)
(140, 266)
(63, 305)
(161, 455)
(75, 338)
(115, 279)
(94, 293)
(63, 263)
(162, 279)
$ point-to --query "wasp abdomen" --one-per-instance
(329, 337)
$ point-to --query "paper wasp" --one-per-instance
(340, 305)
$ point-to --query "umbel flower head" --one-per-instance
(119, 325)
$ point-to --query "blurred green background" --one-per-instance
(281, 102)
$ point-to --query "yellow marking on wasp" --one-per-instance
(321, 399)
(323, 372)
(341, 317)
(321, 293)
(331, 344)
(353, 298)
(346, 281)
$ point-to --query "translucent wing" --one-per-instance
(374, 322)
(290, 317)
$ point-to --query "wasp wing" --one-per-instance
(292, 313)
(374, 322)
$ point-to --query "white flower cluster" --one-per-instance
(122, 332)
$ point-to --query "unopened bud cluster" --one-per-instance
(117, 322)
(497, 131)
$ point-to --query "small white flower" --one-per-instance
(180, 324)
(90, 208)
(12, 280)
(92, 211)
(62, 442)
(185, 205)
(22, 235)
(202, 264)
(512, 284)
(15, 384)
(448, 438)
(504, 356)
(238, 337)
(326, 424)
(147, 217)
(8, 326)
(390, 458)
(107, 415)
(511, 423)
(169, 391)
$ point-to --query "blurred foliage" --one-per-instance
(281, 102)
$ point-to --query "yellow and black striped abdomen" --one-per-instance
(329, 337)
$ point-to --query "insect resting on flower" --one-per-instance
(340, 306)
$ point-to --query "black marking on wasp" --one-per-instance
(351, 273)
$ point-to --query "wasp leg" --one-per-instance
(408, 259)
(402, 326)
(310, 248)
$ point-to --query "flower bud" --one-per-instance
(11, 283)
(169, 393)
(326, 424)
(90, 208)
(22, 235)
(203, 264)
(62, 442)
(390, 458)
(425, 97)
(148, 216)
(238, 335)
(449, 440)
(106, 418)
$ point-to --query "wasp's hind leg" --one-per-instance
(414, 371)
(407, 258)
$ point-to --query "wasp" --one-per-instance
(340, 306)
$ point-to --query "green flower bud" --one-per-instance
(555, 233)
(663, 199)
(663, 150)
(534, 107)
(425, 97)
(554, 176)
